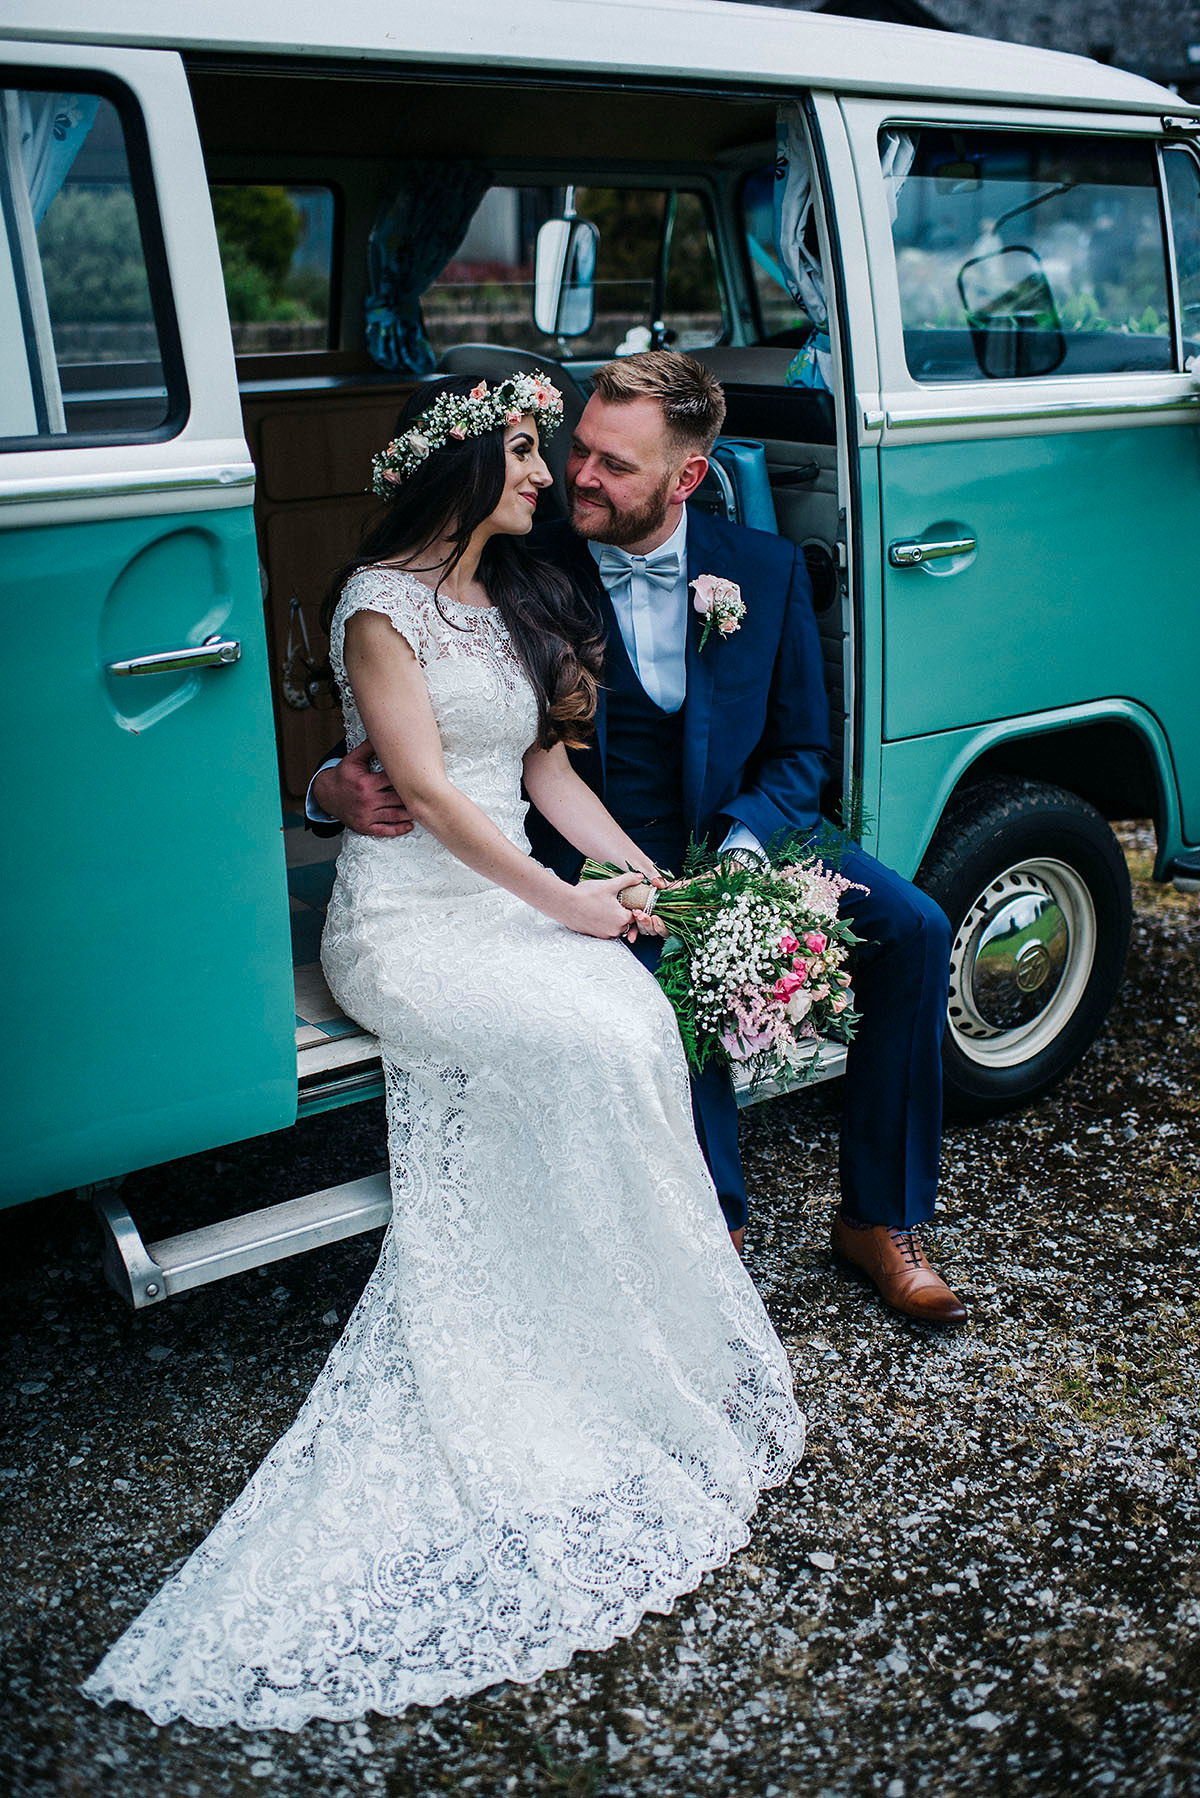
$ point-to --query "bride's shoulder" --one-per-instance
(381, 587)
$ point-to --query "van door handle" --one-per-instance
(214, 652)
(912, 554)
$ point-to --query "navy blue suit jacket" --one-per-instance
(756, 716)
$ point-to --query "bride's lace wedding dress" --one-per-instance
(559, 1395)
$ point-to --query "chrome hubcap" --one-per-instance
(1020, 962)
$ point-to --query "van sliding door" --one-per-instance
(147, 964)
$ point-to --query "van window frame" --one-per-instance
(1188, 148)
(142, 186)
(1096, 132)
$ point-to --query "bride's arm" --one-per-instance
(393, 702)
(569, 804)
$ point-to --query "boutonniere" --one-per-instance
(719, 603)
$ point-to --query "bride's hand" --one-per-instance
(594, 908)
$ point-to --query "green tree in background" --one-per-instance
(259, 231)
(92, 262)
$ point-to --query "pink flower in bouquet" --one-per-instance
(458, 432)
(839, 1002)
(800, 966)
(817, 941)
(785, 986)
(788, 943)
(743, 1044)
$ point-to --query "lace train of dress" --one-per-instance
(559, 1395)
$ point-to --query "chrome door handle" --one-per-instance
(912, 554)
(214, 652)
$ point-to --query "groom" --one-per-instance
(729, 745)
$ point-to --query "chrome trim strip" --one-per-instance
(222, 479)
(907, 421)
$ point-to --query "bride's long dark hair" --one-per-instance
(442, 503)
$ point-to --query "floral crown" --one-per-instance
(453, 417)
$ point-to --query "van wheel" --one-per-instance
(1036, 888)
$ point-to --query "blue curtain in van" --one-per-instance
(414, 236)
(52, 129)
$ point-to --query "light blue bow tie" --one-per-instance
(661, 566)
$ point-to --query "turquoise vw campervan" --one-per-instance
(953, 291)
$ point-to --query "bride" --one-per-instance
(559, 1395)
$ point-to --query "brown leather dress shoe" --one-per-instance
(894, 1261)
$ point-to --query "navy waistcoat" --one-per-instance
(644, 761)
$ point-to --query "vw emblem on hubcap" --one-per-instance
(1032, 967)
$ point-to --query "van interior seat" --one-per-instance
(493, 362)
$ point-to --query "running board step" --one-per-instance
(146, 1273)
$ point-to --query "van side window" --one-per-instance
(782, 319)
(485, 294)
(88, 349)
(1182, 171)
(276, 248)
(1023, 254)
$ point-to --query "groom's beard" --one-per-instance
(602, 522)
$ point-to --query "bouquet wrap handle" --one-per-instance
(640, 897)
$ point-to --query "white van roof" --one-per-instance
(697, 40)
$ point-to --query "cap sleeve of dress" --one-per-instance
(401, 599)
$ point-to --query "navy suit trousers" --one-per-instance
(892, 1116)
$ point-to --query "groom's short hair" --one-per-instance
(691, 399)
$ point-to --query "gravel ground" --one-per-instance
(985, 1576)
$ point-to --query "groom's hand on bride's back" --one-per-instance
(360, 798)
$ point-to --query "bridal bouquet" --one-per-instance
(754, 962)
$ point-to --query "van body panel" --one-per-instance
(149, 824)
(1054, 607)
(675, 39)
(921, 773)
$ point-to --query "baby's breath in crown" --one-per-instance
(453, 417)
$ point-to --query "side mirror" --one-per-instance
(1011, 315)
(564, 277)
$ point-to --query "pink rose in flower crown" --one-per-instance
(512, 417)
(478, 393)
(816, 941)
(545, 394)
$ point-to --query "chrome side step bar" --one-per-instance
(831, 1062)
(146, 1273)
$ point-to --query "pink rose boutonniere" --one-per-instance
(719, 603)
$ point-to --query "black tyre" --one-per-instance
(1036, 888)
